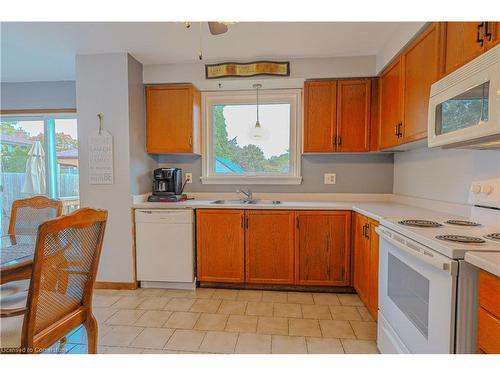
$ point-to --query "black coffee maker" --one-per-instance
(167, 185)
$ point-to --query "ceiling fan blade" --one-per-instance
(217, 28)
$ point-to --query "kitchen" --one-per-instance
(336, 203)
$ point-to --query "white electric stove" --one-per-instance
(427, 292)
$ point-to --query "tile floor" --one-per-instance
(228, 321)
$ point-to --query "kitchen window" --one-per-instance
(237, 151)
(39, 157)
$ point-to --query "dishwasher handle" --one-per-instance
(164, 216)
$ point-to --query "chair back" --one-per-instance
(65, 265)
(27, 214)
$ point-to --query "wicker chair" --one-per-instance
(26, 215)
(57, 303)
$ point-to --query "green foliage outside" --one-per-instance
(249, 157)
(14, 157)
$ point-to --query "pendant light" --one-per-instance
(257, 133)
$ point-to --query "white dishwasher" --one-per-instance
(165, 248)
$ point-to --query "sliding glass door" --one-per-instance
(39, 156)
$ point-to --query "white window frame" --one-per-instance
(289, 96)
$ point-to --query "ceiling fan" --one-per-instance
(215, 28)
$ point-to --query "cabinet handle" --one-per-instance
(246, 220)
(297, 221)
(364, 230)
(399, 133)
(339, 140)
(487, 33)
(334, 141)
(479, 39)
(367, 234)
(396, 130)
(242, 219)
(191, 141)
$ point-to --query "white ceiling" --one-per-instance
(46, 51)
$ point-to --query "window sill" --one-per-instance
(250, 180)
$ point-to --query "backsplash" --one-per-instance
(356, 173)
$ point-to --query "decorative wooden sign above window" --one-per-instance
(256, 68)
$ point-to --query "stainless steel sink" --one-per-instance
(244, 201)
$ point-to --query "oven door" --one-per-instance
(416, 297)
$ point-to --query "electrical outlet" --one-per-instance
(189, 178)
(330, 178)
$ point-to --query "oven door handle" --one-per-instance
(437, 263)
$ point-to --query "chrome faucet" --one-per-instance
(247, 193)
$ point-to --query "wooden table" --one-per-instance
(16, 257)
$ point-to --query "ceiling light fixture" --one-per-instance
(257, 133)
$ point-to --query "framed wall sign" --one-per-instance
(251, 69)
(101, 158)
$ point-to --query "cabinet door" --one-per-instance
(353, 115)
(170, 120)
(320, 103)
(361, 257)
(322, 248)
(491, 34)
(269, 246)
(461, 43)
(421, 70)
(391, 101)
(373, 269)
(220, 245)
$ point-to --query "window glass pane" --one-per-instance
(409, 290)
(67, 162)
(23, 162)
(241, 147)
(464, 110)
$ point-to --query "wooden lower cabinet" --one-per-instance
(220, 245)
(322, 248)
(488, 331)
(365, 261)
(269, 245)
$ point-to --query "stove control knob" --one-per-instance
(476, 189)
(487, 189)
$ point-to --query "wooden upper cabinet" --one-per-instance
(361, 256)
(269, 236)
(320, 107)
(420, 71)
(353, 115)
(322, 248)
(220, 245)
(391, 104)
(173, 122)
(462, 42)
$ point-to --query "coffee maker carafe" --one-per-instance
(167, 185)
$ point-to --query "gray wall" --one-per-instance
(356, 173)
(37, 95)
(102, 87)
(141, 164)
(443, 175)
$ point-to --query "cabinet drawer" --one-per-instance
(488, 334)
(489, 292)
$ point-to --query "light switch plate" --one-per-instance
(189, 178)
(330, 178)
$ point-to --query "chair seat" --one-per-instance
(11, 328)
(14, 287)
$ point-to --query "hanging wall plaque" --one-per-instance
(252, 69)
(101, 158)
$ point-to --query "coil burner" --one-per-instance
(463, 223)
(461, 239)
(420, 223)
(493, 236)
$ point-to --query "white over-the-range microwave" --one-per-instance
(464, 106)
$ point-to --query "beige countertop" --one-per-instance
(374, 210)
(488, 261)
